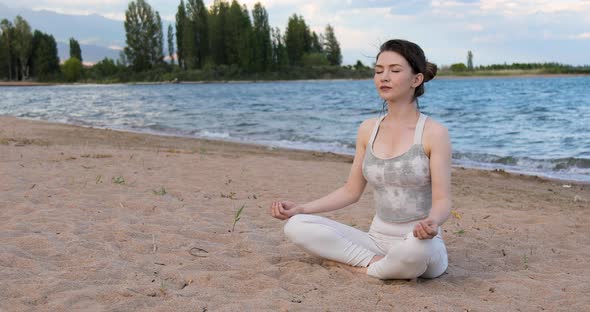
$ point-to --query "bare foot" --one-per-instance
(344, 266)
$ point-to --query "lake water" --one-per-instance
(537, 125)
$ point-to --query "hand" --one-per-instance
(426, 229)
(283, 209)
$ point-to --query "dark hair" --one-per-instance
(414, 55)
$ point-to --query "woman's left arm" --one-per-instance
(440, 174)
(439, 144)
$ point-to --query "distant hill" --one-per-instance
(96, 34)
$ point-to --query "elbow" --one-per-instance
(354, 196)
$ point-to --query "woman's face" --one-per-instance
(394, 78)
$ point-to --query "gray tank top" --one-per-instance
(402, 187)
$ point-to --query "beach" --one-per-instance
(102, 220)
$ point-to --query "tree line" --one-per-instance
(541, 68)
(224, 34)
(224, 41)
(27, 54)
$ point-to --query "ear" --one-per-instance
(418, 79)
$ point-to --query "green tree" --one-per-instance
(316, 43)
(359, 65)
(158, 41)
(104, 68)
(143, 32)
(315, 59)
(7, 48)
(75, 50)
(45, 60)
(23, 45)
(246, 42)
(332, 47)
(458, 67)
(280, 59)
(238, 36)
(72, 69)
(469, 60)
(262, 40)
(218, 31)
(171, 43)
(180, 22)
(195, 37)
(297, 39)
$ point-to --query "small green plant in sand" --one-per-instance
(98, 179)
(237, 216)
(161, 191)
(526, 262)
(118, 180)
(461, 231)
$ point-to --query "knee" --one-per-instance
(415, 252)
(293, 227)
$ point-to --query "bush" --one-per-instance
(72, 69)
(458, 67)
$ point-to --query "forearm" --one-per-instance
(440, 212)
(339, 198)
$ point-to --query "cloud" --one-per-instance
(585, 35)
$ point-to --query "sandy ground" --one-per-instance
(101, 220)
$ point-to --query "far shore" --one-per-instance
(439, 76)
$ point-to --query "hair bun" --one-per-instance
(431, 70)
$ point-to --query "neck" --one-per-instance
(402, 110)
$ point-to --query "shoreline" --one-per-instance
(279, 149)
(440, 76)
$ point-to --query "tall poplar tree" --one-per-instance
(280, 58)
(469, 60)
(180, 22)
(332, 47)
(7, 47)
(218, 31)
(45, 60)
(75, 50)
(143, 31)
(297, 39)
(195, 37)
(23, 45)
(262, 40)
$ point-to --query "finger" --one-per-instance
(280, 207)
(272, 209)
(426, 228)
(422, 232)
(414, 231)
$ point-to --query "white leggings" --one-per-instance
(406, 257)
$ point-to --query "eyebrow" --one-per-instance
(390, 65)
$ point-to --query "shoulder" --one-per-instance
(365, 129)
(435, 135)
(434, 129)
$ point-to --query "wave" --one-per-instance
(565, 168)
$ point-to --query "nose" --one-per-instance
(384, 77)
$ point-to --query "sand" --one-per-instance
(102, 220)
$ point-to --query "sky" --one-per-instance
(496, 31)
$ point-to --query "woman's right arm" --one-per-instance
(347, 194)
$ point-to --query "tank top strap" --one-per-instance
(419, 129)
(375, 129)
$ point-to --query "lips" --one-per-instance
(384, 88)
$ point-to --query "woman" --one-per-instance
(406, 156)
